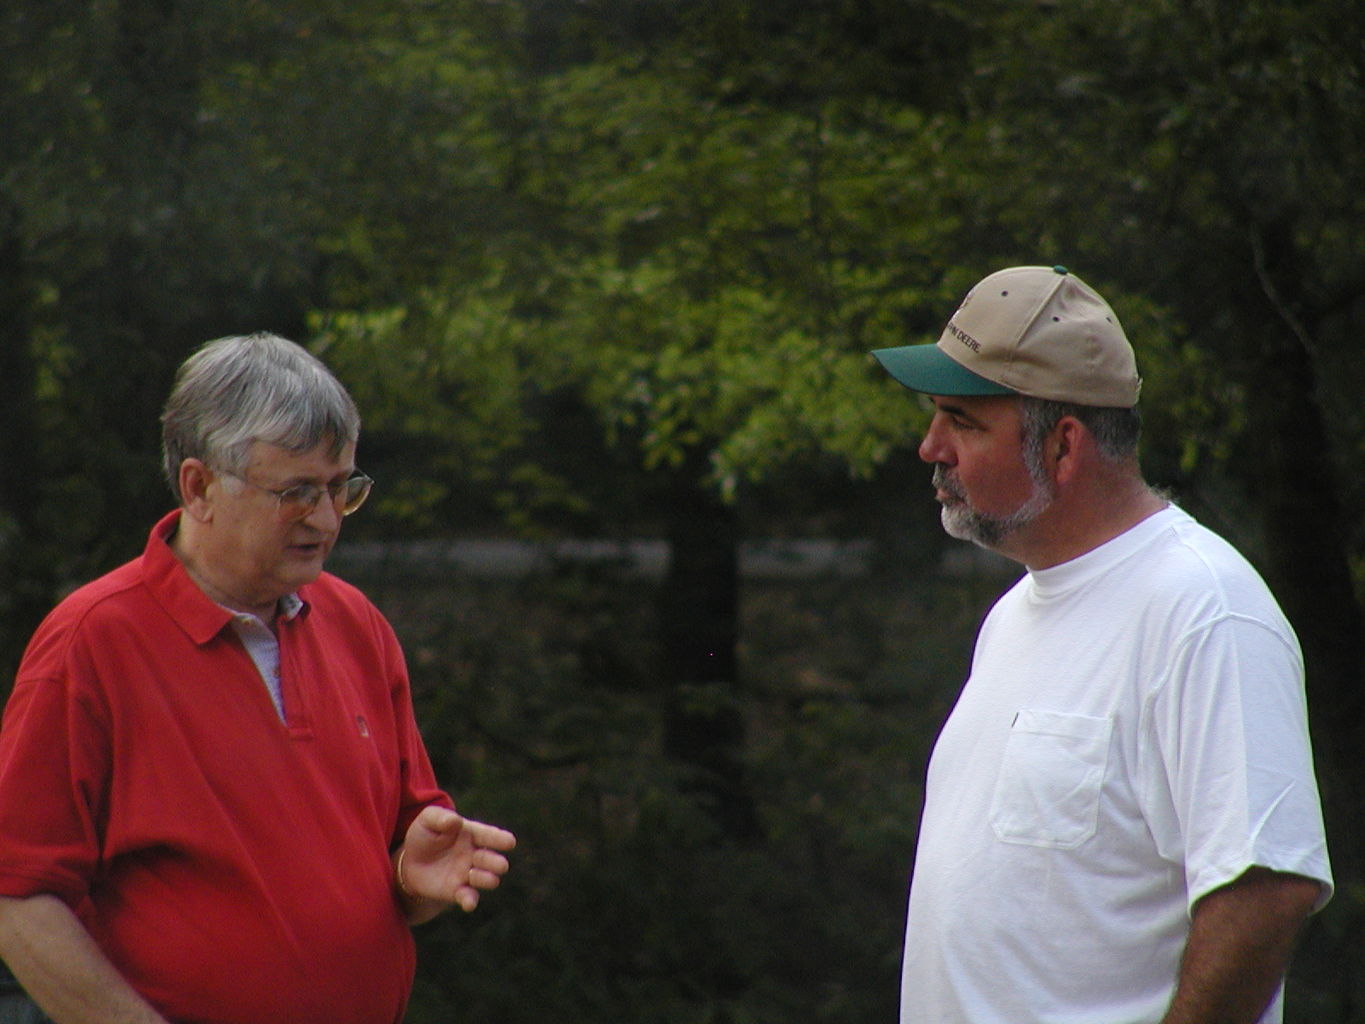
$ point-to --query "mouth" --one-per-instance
(310, 548)
(944, 491)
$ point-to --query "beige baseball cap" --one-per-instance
(1038, 331)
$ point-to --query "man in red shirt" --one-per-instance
(214, 801)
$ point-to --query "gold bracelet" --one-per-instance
(398, 875)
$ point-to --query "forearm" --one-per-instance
(60, 966)
(1241, 938)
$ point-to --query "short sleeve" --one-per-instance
(1227, 762)
(54, 767)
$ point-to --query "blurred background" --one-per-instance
(602, 276)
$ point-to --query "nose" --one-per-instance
(933, 448)
(325, 516)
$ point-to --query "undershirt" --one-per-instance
(263, 646)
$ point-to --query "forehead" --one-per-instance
(321, 462)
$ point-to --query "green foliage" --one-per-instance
(1207, 154)
(450, 379)
(572, 256)
(714, 278)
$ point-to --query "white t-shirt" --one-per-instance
(1133, 735)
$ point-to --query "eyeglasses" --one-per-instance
(300, 500)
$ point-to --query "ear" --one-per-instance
(196, 496)
(1067, 449)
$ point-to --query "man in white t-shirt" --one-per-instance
(1121, 820)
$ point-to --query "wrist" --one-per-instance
(400, 879)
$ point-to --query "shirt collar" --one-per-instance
(198, 615)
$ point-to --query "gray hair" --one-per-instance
(1116, 430)
(248, 388)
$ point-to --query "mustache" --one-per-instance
(943, 482)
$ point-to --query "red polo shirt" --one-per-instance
(235, 867)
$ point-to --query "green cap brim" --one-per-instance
(928, 369)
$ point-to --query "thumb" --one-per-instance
(435, 826)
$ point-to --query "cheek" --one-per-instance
(265, 544)
(998, 483)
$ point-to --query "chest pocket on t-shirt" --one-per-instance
(1048, 790)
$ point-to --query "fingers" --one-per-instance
(438, 820)
(480, 880)
(442, 821)
(489, 836)
(472, 851)
(486, 869)
(486, 865)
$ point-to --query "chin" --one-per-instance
(301, 572)
(960, 524)
(308, 575)
(957, 523)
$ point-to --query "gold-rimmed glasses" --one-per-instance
(300, 500)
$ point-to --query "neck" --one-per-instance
(203, 579)
(1081, 520)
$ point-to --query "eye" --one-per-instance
(301, 494)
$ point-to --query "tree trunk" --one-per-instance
(1307, 564)
(28, 582)
(699, 626)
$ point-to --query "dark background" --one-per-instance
(608, 271)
